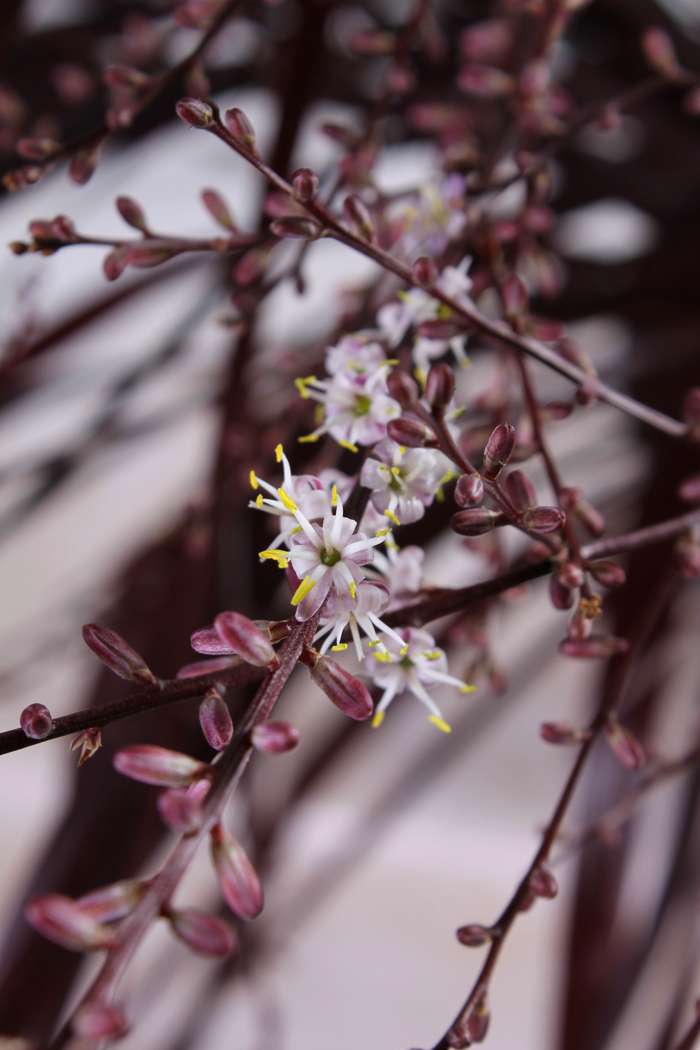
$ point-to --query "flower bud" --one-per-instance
(498, 450)
(215, 720)
(473, 935)
(402, 388)
(560, 733)
(195, 112)
(689, 491)
(36, 722)
(439, 386)
(469, 490)
(132, 213)
(608, 574)
(180, 809)
(357, 213)
(660, 53)
(202, 933)
(295, 226)
(596, 646)
(543, 519)
(82, 164)
(514, 297)
(570, 574)
(305, 184)
(343, 689)
(410, 432)
(218, 209)
(97, 1021)
(625, 746)
(152, 764)
(116, 654)
(114, 902)
(561, 596)
(424, 272)
(238, 879)
(115, 262)
(438, 328)
(475, 522)
(61, 920)
(520, 490)
(240, 129)
(245, 638)
(275, 738)
(543, 883)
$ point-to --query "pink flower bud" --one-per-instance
(295, 226)
(660, 53)
(520, 490)
(560, 733)
(343, 689)
(608, 574)
(97, 1021)
(625, 746)
(543, 883)
(476, 521)
(543, 519)
(469, 490)
(132, 213)
(275, 738)
(116, 654)
(410, 432)
(570, 574)
(238, 879)
(358, 215)
(114, 902)
(158, 765)
(473, 935)
(561, 596)
(218, 209)
(180, 809)
(125, 78)
(485, 81)
(596, 646)
(82, 164)
(61, 920)
(115, 262)
(439, 329)
(478, 1022)
(424, 272)
(514, 297)
(202, 933)
(439, 386)
(305, 183)
(246, 639)
(402, 388)
(215, 720)
(195, 112)
(498, 450)
(36, 722)
(240, 129)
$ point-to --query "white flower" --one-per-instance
(403, 481)
(303, 490)
(356, 354)
(356, 407)
(427, 223)
(415, 666)
(401, 569)
(359, 614)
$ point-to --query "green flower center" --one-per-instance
(362, 405)
(330, 558)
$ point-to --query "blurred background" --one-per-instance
(123, 454)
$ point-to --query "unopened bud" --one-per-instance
(343, 689)
(295, 226)
(275, 738)
(595, 647)
(218, 209)
(402, 388)
(132, 213)
(570, 574)
(438, 328)
(543, 519)
(238, 878)
(180, 809)
(608, 574)
(202, 933)
(561, 596)
(245, 639)
(195, 112)
(36, 722)
(514, 297)
(498, 450)
(424, 272)
(215, 720)
(97, 1021)
(152, 764)
(357, 213)
(560, 733)
(114, 902)
(240, 129)
(116, 654)
(410, 432)
(520, 490)
(473, 935)
(305, 184)
(82, 164)
(115, 262)
(477, 1023)
(61, 920)
(469, 490)
(660, 53)
(625, 746)
(476, 521)
(439, 386)
(543, 883)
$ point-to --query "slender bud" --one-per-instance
(560, 733)
(469, 490)
(561, 596)
(473, 935)
(410, 432)
(82, 164)
(274, 738)
(116, 654)
(402, 388)
(543, 519)
(115, 262)
(477, 1024)
(215, 720)
(61, 920)
(498, 450)
(195, 112)
(305, 184)
(514, 297)
(343, 689)
(357, 213)
(439, 387)
(595, 647)
(608, 574)
(132, 213)
(520, 490)
(36, 722)
(475, 522)
(240, 129)
(97, 1021)
(660, 53)
(238, 879)
(180, 809)
(114, 902)
(543, 883)
(152, 764)
(202, 933)
(424, 272)
(245, 639)
(625, 746)
(295, 226)
(218, 209)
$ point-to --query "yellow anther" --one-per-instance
(259, 501)
(278, 556)
(301, 383)
(352, 587)
(431, 654)
(334, 496)
(440, 494)
(288, 503)
(306, 439)
(339, 647)
(302, 590)
(383, 658)
(391, 361)
(403, 651)
(279, 452)
(396, 471)
(420, 375)
(295, 530)
(447, 476)
(374, 642)
(440, 724)
(402, 450)
(467, 688)
(377, 719)
(349, 446)
(252, 478)
(382, 532)
(392, 517)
